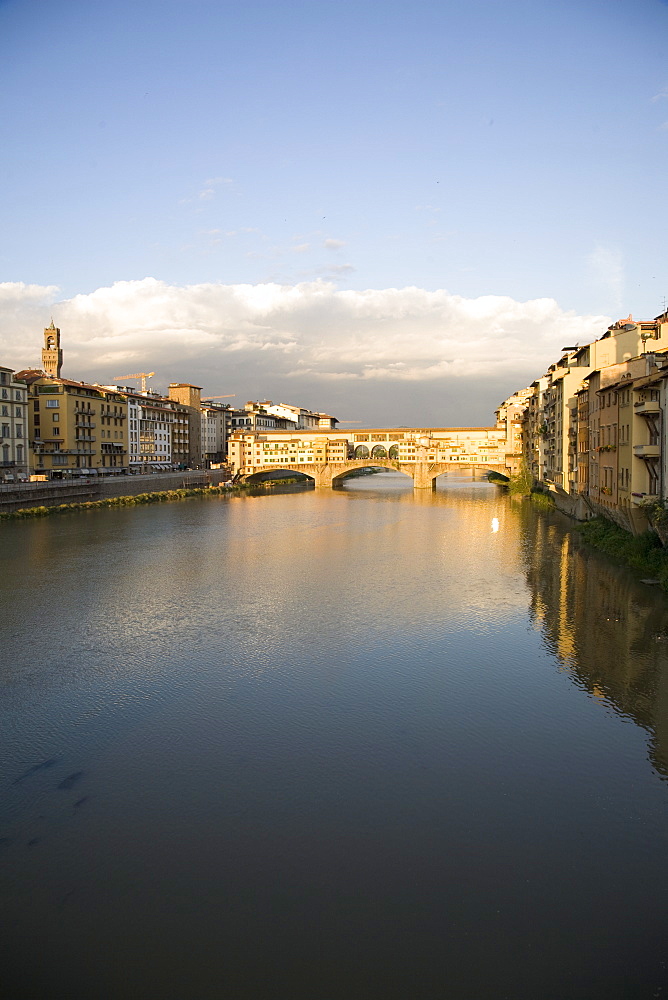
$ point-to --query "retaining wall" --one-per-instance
(583, 508)
(16, 497)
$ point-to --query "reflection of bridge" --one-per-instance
(329, 456)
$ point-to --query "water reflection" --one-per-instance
(313, 743)
(609, 631)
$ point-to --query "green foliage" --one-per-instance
(543, 501)
(657, 512)
(521, 483)
(642, 552)
(161, 496)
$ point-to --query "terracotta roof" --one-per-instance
(30, 375)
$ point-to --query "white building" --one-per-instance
(215, 417)
(13, 427)
(150, 419)
(299, 416)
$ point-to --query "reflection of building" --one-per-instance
(13, 427)
(607, 630)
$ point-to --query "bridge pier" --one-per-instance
(423, 477)
(322, 477)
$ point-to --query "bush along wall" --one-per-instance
(158, 496)
(644, 553)
(161, 496)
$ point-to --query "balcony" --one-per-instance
(647, 450)
(647, 407)
(642, 499)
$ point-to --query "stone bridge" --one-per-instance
(327, 456)
(332, 474)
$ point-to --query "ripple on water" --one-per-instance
(367, 737)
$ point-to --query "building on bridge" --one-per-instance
(327, 456)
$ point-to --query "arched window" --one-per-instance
(379, 452)
(361, 451)
(394, 451)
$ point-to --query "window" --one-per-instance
(5, 430)
(55, 417)
(17, 396)
(51, 403)
(5, 411)
(18, 411)
(19, 430)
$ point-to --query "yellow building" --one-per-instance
(75, 428)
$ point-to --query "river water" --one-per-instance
(360, 743)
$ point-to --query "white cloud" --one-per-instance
(332, 244)
(312, 332)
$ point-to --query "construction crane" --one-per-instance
(142, 375)
(228, 395)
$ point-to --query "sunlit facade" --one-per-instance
(14, 454)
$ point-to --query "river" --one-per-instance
(359, 743)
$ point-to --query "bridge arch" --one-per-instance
(341, 474)
(268, 473)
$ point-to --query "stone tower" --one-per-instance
(185, 393)
(52, 356)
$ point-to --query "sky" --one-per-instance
(397, 213)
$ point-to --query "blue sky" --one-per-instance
(509, 151)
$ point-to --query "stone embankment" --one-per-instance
(25, 495)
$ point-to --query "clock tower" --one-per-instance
(52, 356)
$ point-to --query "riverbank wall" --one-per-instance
(581, 508)
(53, 494)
